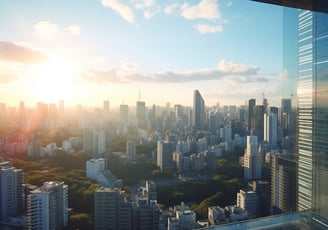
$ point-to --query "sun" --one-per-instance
(55, 80)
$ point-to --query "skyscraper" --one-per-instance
(198, 111)
(271, 128)
(287, 117)
(11, 190)
(131, 150)
(165, 151)
(124, 114)
(48, 206)
(252, 159)
(251, 112)
(213, 122)
(99, 142)
(141, 114)
(283, 183)
(312, 112)
(111, 210)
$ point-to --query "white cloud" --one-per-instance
(204, 28)
(230, 67)
(122, 9)
(11, 52)
(148, 14)
(49, 30)
(227, 71)
(46, 29)
(170, 8)
(207, 9)
(148, 7)
(74, 29)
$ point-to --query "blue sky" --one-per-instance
(94, 50)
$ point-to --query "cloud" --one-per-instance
(230, 67)
(227, 71)
(74, 29)
(122, 9)
(107, 76)
(51, 30)
(148, 7)
(170, 8)
(206, 9)
(144, 4)
(46, 29)
(204, 28)
(12, 52)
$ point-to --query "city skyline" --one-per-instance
(148, 50)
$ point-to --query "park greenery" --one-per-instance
(219, 189)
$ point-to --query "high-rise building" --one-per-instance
(312, 112)
(141, 114)
(213, 122)
(94, 166)
(178, 112)
(283, 183)
(48, 207)
(252, 159)
(131, 150)
(99, 143)
(198, 111)
(165, 151)
(251, 114)
(259, 121)
(262, 189)
(112, 211)
(287, 120)
(87, 135)
(146, 210)
(124, 114)
(271, 128)
(11, 190)
(248, 200)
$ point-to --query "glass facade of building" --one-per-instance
(312, 95)
(306, 67)
(320, 119)
(305, 109)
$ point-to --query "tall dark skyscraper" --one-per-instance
(251, 112)
(198, 112)
(313, 112)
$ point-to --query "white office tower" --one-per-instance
(48, 207)
(252, 159)
(11, 190)
(271, 128)
(94, 167)
(248, 200)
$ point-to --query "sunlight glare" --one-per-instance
(55, 80)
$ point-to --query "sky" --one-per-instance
(88, 51)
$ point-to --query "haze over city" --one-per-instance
(156, 51)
